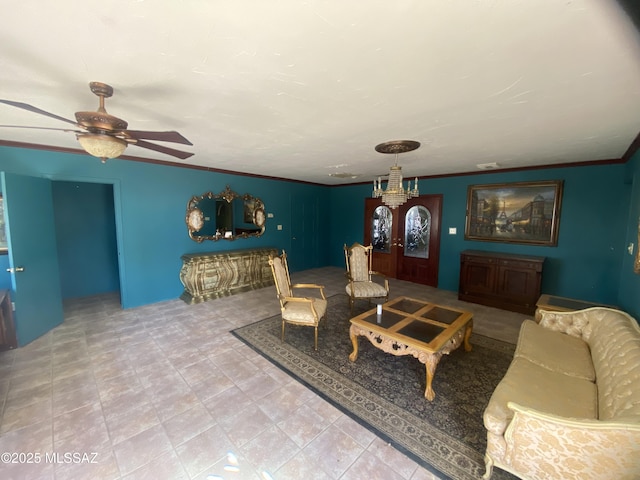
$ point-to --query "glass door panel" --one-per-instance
(417, 229)
(381, 229)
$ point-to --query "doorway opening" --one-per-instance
(85, 227)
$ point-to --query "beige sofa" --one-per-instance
(569, 405)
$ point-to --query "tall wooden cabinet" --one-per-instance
(501, 280)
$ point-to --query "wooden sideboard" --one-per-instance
(501, 280)
(206, 276)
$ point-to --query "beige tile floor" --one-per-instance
(165, 391)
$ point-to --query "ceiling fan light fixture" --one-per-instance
(102, 146)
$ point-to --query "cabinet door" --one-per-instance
(518, 282)
(478, 276)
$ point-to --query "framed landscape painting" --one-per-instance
(522, 212)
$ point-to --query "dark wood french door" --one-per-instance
(406, 240)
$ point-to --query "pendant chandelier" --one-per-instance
(395, 194)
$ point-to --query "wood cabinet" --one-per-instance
(218, 274)
(501, 280)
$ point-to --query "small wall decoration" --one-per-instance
(522, 212)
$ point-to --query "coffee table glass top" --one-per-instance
(442, 315)
(414, 320)
(386, 320)
(406, 305)
(423, 332)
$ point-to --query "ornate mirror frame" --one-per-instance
(251, 223)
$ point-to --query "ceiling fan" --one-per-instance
(103, 135)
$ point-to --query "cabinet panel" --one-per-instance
(477, 278)
(507, 281)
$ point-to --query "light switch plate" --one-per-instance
(453, 230)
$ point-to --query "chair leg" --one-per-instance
(282, 338)
(315, 344)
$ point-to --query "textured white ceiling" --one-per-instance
(305, 89)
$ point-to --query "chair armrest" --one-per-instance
(381, 276)
(298, 299)
(310, 285)
(543, 445)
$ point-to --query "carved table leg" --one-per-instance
(467, 336)
(354, 341)
(431, 364)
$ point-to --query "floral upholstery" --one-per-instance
(298, 310)
(361, 284)
(569, 404)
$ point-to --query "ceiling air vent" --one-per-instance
(488, 166)
(344, 175)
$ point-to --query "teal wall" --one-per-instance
(629, 292)
(600, 209)
(86, 238)
(586, 264)
(149, 205)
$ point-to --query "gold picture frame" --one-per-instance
(519, 212)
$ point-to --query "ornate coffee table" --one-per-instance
(408, 326)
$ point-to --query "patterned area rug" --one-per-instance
(386, 393)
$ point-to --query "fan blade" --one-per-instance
(33, 109)
(172, 136)
(42, 128)
(162, 149)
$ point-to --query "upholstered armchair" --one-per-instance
(297, 310)
(363, 282)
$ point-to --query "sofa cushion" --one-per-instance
(300, 312)
(555, 351)
(366, 290)
(539, 388)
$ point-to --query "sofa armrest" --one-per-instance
(540, 445)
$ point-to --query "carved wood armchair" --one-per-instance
(297, 310)
(361, 278)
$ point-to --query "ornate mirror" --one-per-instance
(225, 215)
